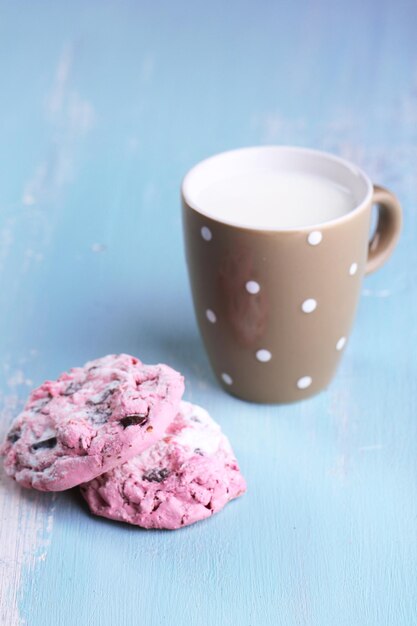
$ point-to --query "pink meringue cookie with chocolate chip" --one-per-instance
(185, 477)
(89, 420)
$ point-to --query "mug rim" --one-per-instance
(284, 148)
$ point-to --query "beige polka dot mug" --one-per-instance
(277, 244)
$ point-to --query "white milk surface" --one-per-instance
(275, 200)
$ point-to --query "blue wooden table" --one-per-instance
(103, 108)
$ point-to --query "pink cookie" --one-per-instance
(186, 477)
(89, 420)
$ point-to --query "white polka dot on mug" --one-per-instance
(206, 233)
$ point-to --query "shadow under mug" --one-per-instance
(275, 307)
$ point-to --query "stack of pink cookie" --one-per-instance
(119, 429)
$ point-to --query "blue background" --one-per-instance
(103, 108)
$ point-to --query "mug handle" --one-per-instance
(387, 229)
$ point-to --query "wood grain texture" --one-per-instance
(103, 108)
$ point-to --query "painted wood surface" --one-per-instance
(103, 108)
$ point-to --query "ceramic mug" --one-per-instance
(275, 306)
